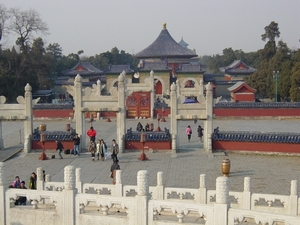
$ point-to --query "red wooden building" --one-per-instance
(241, 92)
(237, 70)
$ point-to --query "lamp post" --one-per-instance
(143, 140)
(43, 139)
(275, 76)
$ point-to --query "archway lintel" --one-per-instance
(191, 117)
(112, 109)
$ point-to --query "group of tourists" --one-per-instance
(189, 132)
(140, 127)
(17, 183)
(100, 149)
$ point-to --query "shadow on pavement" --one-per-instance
(10, 152)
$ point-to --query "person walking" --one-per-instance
(92, 134)
(32, 181)
(60, 148)
(114, 167)
(76, 140)
(188, 132)
(92, 150)
(200, 133)
(115, 150)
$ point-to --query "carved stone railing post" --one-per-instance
(222, 199)
(69, 196)
(121, 115)
(1, 139)
(160, 186)
(47, 178)
(99, 87)
(152, 83)
(173, 125)
(40, 179)
(202, 189)
(118, 186)
(141, 199)
(246, 204)
(208, 123)
(293, 203)
(79, 116)
(28, 122)
(2, 194)
(78, 180)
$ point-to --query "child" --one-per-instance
(17, 182)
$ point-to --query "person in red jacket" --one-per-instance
(92, 134)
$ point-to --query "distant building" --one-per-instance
(112, 74)
(169, 60)
(89, 73)
(241, 92)
(237, 71)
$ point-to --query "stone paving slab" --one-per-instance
(269, 173)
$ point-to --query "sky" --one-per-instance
(208, 26)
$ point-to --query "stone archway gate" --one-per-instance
(197, 111)
(22, 112)
(90, 99)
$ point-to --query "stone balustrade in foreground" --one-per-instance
(74, 202)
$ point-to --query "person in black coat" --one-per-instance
(114, 167)
(59, 147)
(200, 133)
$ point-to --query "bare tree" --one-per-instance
(24, 24)
(4, 17)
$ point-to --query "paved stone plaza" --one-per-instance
(269, 173)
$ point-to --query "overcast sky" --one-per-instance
(208, 26)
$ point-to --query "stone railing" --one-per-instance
(72, 202)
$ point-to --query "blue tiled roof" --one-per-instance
(89, 69)
(155, 66)
(293, 138)
(233, 68)
(191, 68)
(119, 69)
(165, 46)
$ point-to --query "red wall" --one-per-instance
(51, 145)
(155, 145)
(256, 146)
(249, 97)
(256, 112)
(53, 113)
(108, 114)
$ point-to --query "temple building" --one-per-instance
(237, 71)
(89, 73)
(169, 60)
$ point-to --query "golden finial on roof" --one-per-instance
(164, 26)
